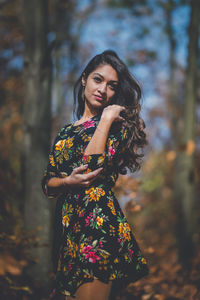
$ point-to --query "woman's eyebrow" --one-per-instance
(114, 81)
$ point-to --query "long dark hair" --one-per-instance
(128, 94)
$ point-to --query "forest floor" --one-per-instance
(168, 279)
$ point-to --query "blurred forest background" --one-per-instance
(44, 46)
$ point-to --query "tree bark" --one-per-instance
(37, 114)
(172, 102)
(185, 192)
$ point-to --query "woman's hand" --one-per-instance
(77, 179)
(112, 113)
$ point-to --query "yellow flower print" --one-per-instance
(69, 243)
(86, 138)
(66, 155)
(65, 220)
(143, 260)
(65, 269)
(51, 159)
(125, 133)
(59, 145)
(116, 260)
(81, 247)
(71, 248)
(99, 221)
(88, 170)
(80, 211)
(124, 231)
(111, 206)
(112, 230)
(69, 142)
(112, 276)
(101, 159)
(110, 142)
(95, 193)
(68, 208)
(104, 255)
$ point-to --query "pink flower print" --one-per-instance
(119, 240)
(92, 257)
(87, 220)
(100, 244)
(69, 267)
(112, 152)
(88, 124)
(86, 249)
(85, 157)
(130, 252)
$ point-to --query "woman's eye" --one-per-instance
(97, 79)
(113, 87)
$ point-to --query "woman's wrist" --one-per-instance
(104, 119)
(57, 185)
(66, 182)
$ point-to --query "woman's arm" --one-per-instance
(99, 138)
(58, 185)
(102, 148)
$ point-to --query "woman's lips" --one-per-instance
(98, 98)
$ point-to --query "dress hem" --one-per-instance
(119, 283)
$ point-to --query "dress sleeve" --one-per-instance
(50, 172)
(115, 145)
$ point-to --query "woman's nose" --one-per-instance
(102, 88)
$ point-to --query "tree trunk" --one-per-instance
(185, 191)
(173, 103)
(37, 113)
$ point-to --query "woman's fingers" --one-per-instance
(113, 112)
(91, 176)
(80, 169)
(88, 175)
(80, 179)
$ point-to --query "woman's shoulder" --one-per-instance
(64, 131)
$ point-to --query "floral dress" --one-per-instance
(95, 240)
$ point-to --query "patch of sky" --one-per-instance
(83, 4)
(51, 36)
(180, 20)
(152, 100)
(16, 63)
(103, 29)
(7, 54)
(141, 72)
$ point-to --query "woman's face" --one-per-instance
(100, 86)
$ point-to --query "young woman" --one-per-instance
(96, 248)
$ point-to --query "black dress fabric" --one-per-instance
(93, 239)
